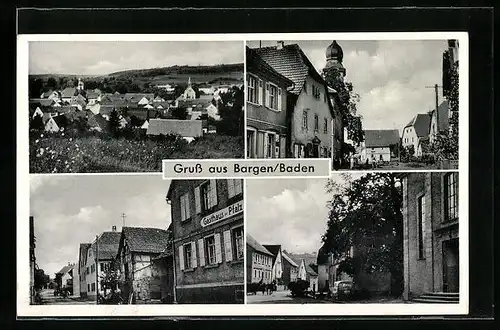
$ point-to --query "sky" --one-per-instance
(290, 212)
(390, 76)
(69, 210)
(103, 57)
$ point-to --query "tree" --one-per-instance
(232, 121)
(179, 113)
(114, 123)
(109, 279)
(37, 123)
(347, 101)
(366, 213)
(35, 87)
(41, 279)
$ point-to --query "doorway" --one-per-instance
(451, 266)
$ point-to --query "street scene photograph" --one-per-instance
(354, 238)
(123, 106)
(135, 239)
(366, 104)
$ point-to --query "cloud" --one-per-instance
(294, 218)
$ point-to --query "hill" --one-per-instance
(309, 258)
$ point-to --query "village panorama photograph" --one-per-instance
(135, 239)
(124, 106)
(378, 237)
(366, 104)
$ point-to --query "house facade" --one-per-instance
(277, 266)
(306, 273)
(207, 226)
(141, 277)
(266, 109)
(82, 269)
(309, 110)
(415, 130)
(430, 233)
(259, 262)
(290, 269)
(379, 145)
(64, 278)
(100, 256)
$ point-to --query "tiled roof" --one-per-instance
(65, 269)
(42, 102)
(147, 240)
(421, 123)
(92, 94)
(287, 258)
(136, 97)
(108, 243)
(257, 246)
(253, 59)
(198, 103)
(47, 93)
(443, 110)
(310, 271)
(185, 128)
(381, 138)
(274, 249)
(291, 62)
(68, 92)
(98, 121)
(61, 120)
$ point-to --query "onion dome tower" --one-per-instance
(334, 58)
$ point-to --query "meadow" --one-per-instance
(62, 153)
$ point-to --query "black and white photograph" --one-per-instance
(135, 239)
(123, 106)
(377, 238)
(366, 104)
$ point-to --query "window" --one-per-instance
(185, 211)
(209, 195)
(92, 268)
(210, 250)
(421, 227)
(252, 89)
(304, 120)
(93, 287)
(325, 126)
(316, 92)
(238, 242)
(270, 143)
(316, 123)
(272, 96)
(305, 87)
(234, 187)
(451, 201)
(251, 144)
(88, 272)
(187, 256)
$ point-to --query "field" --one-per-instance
(59, 153)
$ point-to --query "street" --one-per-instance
(48, 298)
(281, 297)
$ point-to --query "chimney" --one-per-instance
(281, 44)
(113, 228)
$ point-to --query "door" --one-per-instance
(450, 266)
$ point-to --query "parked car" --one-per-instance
(342, 290)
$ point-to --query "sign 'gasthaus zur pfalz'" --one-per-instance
(222, 214)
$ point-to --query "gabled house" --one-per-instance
(68, 93)
(309, 109)
(78, 101)
(64, 278)
(290, 269)
(266, 108)
(56, 123)
(416, 129)
(82, 269)
(100, 257)
(98, 123)
(306, 273)
(138, 247)
(188, 129)
(277, 269)
(259, 262)
(158, 99)
(443, 115)
(379, 145)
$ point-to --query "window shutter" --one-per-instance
(227, 245)
(218, 252)
(193, 255)
(301, 151)
(266, 142)
(197, 199)
(230, 188)
(260, 145)
(188, 206)
(267, 95)
(181, 257)
(213, 191)
(261, 93)
(279, 99)
(201, 252)
(282, 147)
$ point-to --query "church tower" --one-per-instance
(80, 84)
(334, 58)
(189, 93)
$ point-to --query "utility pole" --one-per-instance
(97, 269)
(436, 91)
(123, 219)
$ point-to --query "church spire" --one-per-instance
(189, 82)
